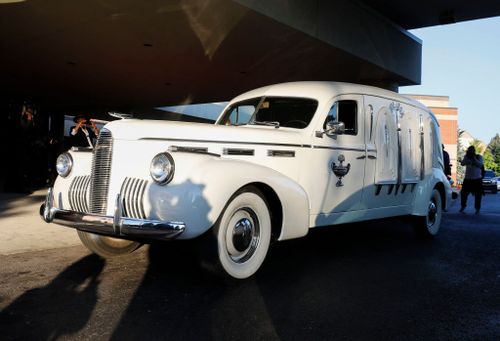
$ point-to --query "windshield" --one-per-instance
(291, 112)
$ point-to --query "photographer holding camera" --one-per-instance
(473, 179)
(84, 133)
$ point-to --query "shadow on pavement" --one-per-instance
(14, 204)
(62, 307)
(373, 280)
(305, 285)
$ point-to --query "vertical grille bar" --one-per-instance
(132, 194)
(78, 193)
(101, 169)
(133, 199)
(123, 190)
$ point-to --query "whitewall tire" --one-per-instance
(240, 239)
(107, 246)
(428, 226)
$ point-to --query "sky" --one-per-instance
(462, 61)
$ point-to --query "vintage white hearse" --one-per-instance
(278, 161)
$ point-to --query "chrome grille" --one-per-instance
(101, 169)
(132, 193)
(78, 194)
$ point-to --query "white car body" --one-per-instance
(395, 164)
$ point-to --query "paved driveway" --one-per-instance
(360, 281)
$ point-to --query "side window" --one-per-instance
(344, 111)
(241, 115)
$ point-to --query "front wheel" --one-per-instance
(107, 246)
(240, 239)
(428, 225)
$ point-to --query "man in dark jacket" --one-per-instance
(84, 132)
(473, 179)
(446, 161)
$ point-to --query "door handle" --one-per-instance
(371, 157)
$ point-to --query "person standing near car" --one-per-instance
(446, 161)
(84, 133)
(472, 180)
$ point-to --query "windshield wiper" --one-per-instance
(275, 124)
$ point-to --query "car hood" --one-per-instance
(133, 129)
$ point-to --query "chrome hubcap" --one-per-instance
(431, 214)
(243, 235)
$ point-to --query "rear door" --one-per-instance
(394, 152)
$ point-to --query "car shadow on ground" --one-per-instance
(302, 287)
(371, 280)
(62, 307)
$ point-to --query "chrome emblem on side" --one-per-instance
(340, 171)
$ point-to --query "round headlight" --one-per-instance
(64, 164)
(162, 168)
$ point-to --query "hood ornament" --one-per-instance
(340, 171)
(120, 115)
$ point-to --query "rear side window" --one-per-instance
(344, 111)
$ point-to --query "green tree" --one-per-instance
(494, 148)
(478, 145)
(489, 161)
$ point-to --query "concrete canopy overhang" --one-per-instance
(124, 53)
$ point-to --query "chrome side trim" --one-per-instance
(340, 148)
(194, 150)
(115, 226)
(422, 147)
(238, 151)
(371, 120)
(227, 142)
(188, 149)
(281, 153)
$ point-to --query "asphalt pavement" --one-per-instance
(366, 281)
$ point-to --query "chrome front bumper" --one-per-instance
(114, 226)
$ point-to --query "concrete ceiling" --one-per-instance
(127, 53)
(423, 13)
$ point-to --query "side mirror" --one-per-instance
(334, 128)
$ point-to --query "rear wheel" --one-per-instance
(238, 243)
(107, 246)
(428, 226)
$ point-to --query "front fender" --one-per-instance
(82, 161)
(203, 185)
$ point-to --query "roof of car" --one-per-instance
(323, 90)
